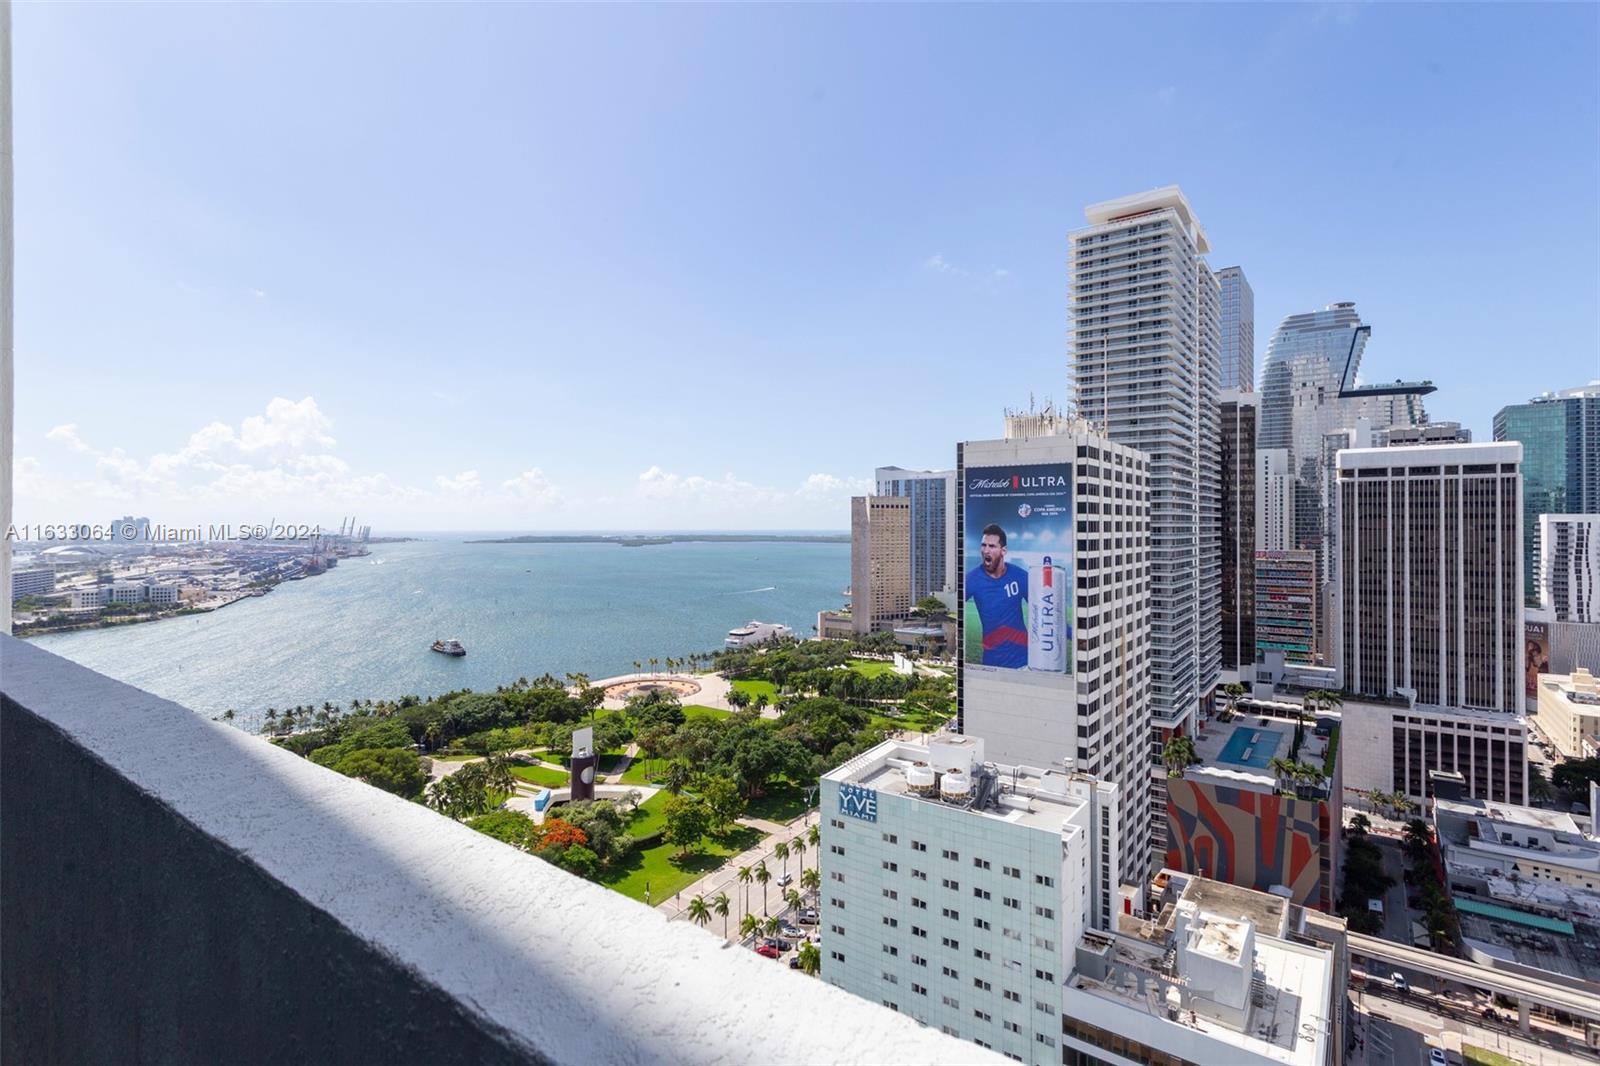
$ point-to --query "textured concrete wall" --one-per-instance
(172, 890)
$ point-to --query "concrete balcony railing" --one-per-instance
(174, 890)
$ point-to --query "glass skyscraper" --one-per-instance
(1238, 321)
(933, 511)
(1560, 436)
(1311, 403)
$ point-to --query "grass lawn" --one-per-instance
(754, 688)
(783, 802)
(1482, 1056)
(695, 711)
(541, 775)
(665, 873)
(643, 771)
(916, 721)
(871, 667)
(648, 816)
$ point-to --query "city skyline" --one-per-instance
(303, 313)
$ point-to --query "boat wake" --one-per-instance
(746, 592)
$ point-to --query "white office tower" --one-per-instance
(1145, 367)
(1569, 566)
(1429, 569)
(1275, 501)
(1054, 643)
(955, 889)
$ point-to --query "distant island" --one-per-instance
(648, 540)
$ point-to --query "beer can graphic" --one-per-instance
(1047, 619)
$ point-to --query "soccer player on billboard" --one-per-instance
(999, 590)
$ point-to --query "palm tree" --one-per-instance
(771, 926)
(746, 875)
(781, 852)
(227, 715)
(677, 776)
(810, 879)
(763, 875)
(814, 835)
(810, 959)
(1178, 755)
(748, 926)
(1360, 825)
(637, 666)
(792, 898)
(720, 906)
(431, 732)
(797, 848)
(498, 775)
(1282, 770)
(699, 913)
(1233, 692)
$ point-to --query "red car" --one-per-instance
(768, 951)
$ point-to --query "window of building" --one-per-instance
(950, 913)
(954, 886)
(1044, 912)
(917, 845)
(890, 949)
(950, 942)
(920, 904)
(892, 923)
(1012, 871)
(918, 931)
(837, 956)
(1014, 904)
(981, 893)
(982, 864)
(918, 960)
(981, 1016)
(889, 893)
(949, 972)
(920, 990)
(1014, 997)
(890, 838)
(980, 923)
(1045, 975)
(892, 867)
(1042, 879)
(919, 875)
(954, 856)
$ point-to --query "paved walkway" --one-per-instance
(743, 898)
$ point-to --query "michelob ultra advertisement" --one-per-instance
(1018, 560)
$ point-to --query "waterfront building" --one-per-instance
(36, 582)
(1568, 714)
(1145, 343)
(162, 595)
(1286, 605)
(1430, 573)
(1569, 566)
(955, 889)
(128, 592)
(880, 563)
(90, 599)
(1274, 500)
(1238, 329)
(1235, 818)
(1239, 528)
(933, 526)
(1069, 512)
(1214, 973)
(754, 632)
(1560, 437)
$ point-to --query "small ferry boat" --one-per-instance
(449, 647)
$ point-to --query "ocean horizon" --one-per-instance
(363, 630)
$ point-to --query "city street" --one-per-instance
(1397, 1033)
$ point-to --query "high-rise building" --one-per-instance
(1238, 347)
(1569, 566)
(1145, 340)
(933, 526)
(1239, 526)
(1429, 573)
(880, 563)
(955, 889)
(1274, 500)
(1311, 395)
(1286, 605)
(1560, 437)
(1054, 631)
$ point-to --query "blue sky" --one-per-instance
(705, 267)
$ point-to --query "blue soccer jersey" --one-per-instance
(999, 601)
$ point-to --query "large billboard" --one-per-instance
(1535, 655)
(1018, 560)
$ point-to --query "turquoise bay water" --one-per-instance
(362, 630)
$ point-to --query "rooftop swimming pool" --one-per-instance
(1249, 746)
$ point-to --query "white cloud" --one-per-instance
(940, 265)
(532, 486)
(286, 425)
(464, 483)
(258, 294)
(68, 434)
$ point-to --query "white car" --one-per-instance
(1436, 1057)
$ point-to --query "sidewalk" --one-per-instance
(726, 878)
